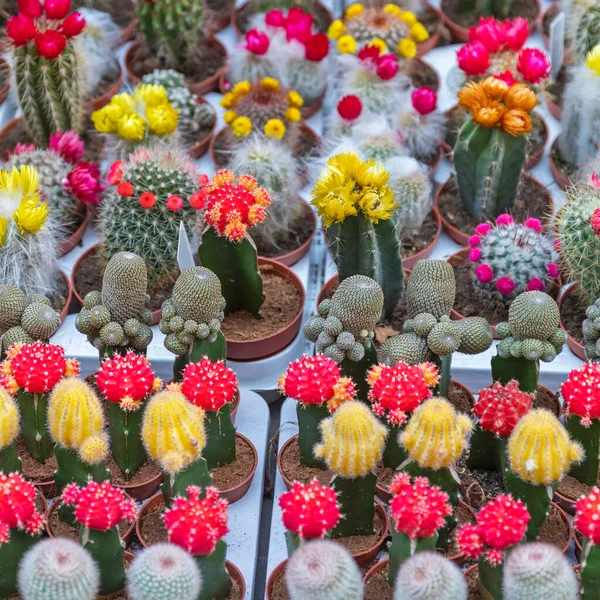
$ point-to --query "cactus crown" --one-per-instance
(310, 510)
(353, 440)
(398, 390)
(17, 507)
(579, 392)
(9, 418)
(197, 523)
(436, 434)
(417, 508)
(540, 450)
(431, 288)
(209, 385)
(587, 511)
(173, 431)
(99, 506)
(500, 407)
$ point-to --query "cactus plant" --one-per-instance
(352, 444)
(323, 570)
(538, 570)
(540, 452)
(510, 258)
(586, 517)
(345, 327)
(9, 430)
(20, 527)
(162, 572)
(173, 434)
(197, 524)
(582, 27)
(99, 508)
(430, 576)
(491, 148)
(231, 207)
(316, 383)
(418, 510)
(501, 524)
(591, 331)
(498, 8)
(192, 317)
(58, 569)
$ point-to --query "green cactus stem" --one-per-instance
(357, 370)
(487, 451)
(490, 578)
(107, 551)
(34, 432)
(525, 372)
(309, 434)
(402, 548)
(355, 496)
(488, 166)
(589, 437)
(394, 454)
(590, 570)
(176, 484)
(220, 435)
(9, 461)
(11, 553)
(216, 582)
(125, 440)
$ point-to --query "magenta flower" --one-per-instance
(473, 59)
(533, 65)
(424, 100)
(85, 183)
(68, 145)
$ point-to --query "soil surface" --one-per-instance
(568, 169)
(528, 9)
(106, 83)
(59, 300)
(32, 469)
(231, 475)
(421, 74)
(294, 471)
(572, 489)
(417, 241)
(147, 471)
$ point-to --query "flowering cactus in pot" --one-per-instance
(586, 517)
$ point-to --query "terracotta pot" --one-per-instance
(199, 149)
(98, 103)
(128, 33)
(236, 575)
(429, 44)
(9, 126)
(576, 348)
(6, 87)
(288, 482)
(328, 288)
(377, 568)
(567, 521)
(272, 344)
(46, 488)
(274, 576)
(74, 239)
(561, 179)
(568, 505)
(210, 84)
(65, 310)
(578, 551)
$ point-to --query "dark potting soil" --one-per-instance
(278, 588)
(572, 488)
(554, 530)
(377, 587)
(281, 306)
(88, 278)
(532, 200)
(556, 88)
(418, 240)
(106, 83)
(294, 471)
(421, 74)
(359, 543)
(472, 576)
(478, 486)
(572, 315)
(290, 239)
(231, 475)
(152, 526)
(59, 300)
(528, 9)
(248, 10)
(32, 469)
(460, 398)
(548, 400)
(147, 471)
(568, 169)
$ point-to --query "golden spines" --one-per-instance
(9, 419)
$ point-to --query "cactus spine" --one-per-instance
(586, 518)
(582, 27)
(9, 430)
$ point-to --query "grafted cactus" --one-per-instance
(9, 430)
(586, 519)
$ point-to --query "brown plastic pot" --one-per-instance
(576, 348)
(237, 492)
(561, 179)
(568, 505)
(75, 238)
(128, 33)
(245, 350)
(100, 101)
(142, 491)
(199, 149)
(274, 576)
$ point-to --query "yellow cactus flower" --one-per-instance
(228, 100)
(270, 83)
(377, 206)
(418, 32)
(162, 119)
(105, 120)
(241, 126)
(31, 215)
(409, 18)
(241, 89)
(295, 99)
(150, 95)
(407, 48)
(592, 60)
(293, 115)
(346, 44)
(230, 116)
(124, 102)
(354, 10)
(132, 127)
(3, 230)
(274, 129)
(9, 419)
(516, 122)
(336, 29)
(20, 200)
(393, 9)
(379, 44)
(488, 116)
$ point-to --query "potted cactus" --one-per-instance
(586, 511)
(9, 431)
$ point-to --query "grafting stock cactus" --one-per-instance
(192, 317)
(99, 508)
(501, 524)
(317, 385)
(231, 208)
(358, 209)
(162, 572)
(531, 334)
(352, 444)
(345, 327)
(58, 569)
(491, 148)
(117, 318)
(47, 70)
(323, 570)
(429, 334)
(20, 527)
(540, 452)
(418, 510)
(173, 433)
(9, 430)
(197, 524)
(587, 510)
(538, 570)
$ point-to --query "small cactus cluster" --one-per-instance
(510, 258)
(591, 331)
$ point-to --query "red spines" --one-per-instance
(418, 509)
(587, 516)
(197, 524)
(580, 392)
(17, 507)
(209, 385)
(309, 510)
(38, 367)
(500, 524)
(99, 506)
(500, 407)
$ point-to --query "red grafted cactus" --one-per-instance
(209, 385)
(587, 516)
(418, 509)
(197, 524)
(17, 507)
(309, 510)
(500, 407)
(580, 392)
(501, 523)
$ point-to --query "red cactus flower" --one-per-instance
(174, 203)
(484, 273)
(483, 229)
(500, 407)
(68, 145)
(20, 29)
(17, 507)
(99, 506)
(517, 32)
(349, 107)
(195, 523)
(197, 200)
(316, 47)
(553, 270)
(369, 52)
(115, 173)
(73, 25)
(507, 77)
(85, 183)
(504, 219)
(125, 189)
(533, 65)
(298, 25)
(587, 516)
(257, 42)
(532, 223)
(490, 33)
(387, 67)
(580, 392)
(418, 509)
(50, 43)
(209, 384)
(505, 285)
(30, 8)
(21, 149)
(38, 367)
(309, 510)
(424, 100)
(535, 285)
(473, 59)
(57, 9)
(275, 18)
(595, 220)
(147, 200)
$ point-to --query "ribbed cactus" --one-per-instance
(47, 70)
(58, 569)
(192, 317)
(430, 576)
(164, 572)
(9, 429)
(174, 436)
(490, 152)
(582, 27)
(352, 444)
(587, 510)
(323, 570)
(540, 452)
(538, 570)
(591, 331)
(498, 8)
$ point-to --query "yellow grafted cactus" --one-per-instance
(9, 419)
(353, 440)
(540, 450)
(173, 431)
(436, 434)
